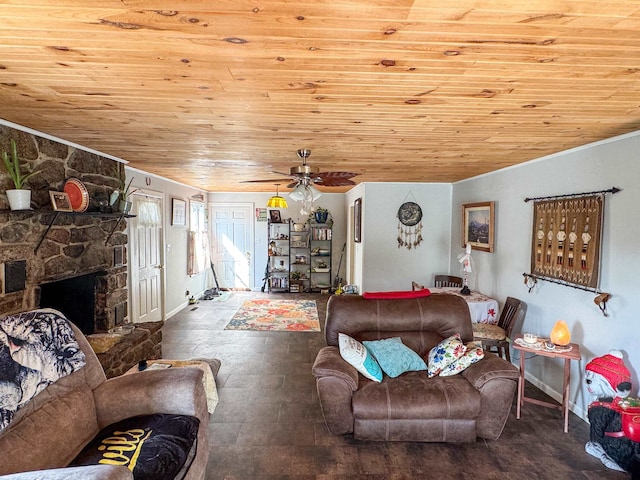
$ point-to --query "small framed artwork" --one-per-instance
(261, 214)
(60, 201)
(178, 212)
(478, 226)
(274, 216)
(357, 220)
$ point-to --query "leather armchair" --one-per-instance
(412, 407)
(50, 431)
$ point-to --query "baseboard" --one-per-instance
(557, 396)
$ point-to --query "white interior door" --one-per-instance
(232, 245)
(146, 262)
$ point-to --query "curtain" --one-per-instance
(198, 252)
(148, 212)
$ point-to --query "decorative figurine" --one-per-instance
(614, 435)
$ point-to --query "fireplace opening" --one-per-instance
(75, 297)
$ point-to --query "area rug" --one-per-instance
(276, 315)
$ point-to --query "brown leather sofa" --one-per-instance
(410, 407)
(48, 433)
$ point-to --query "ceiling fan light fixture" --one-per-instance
(297, 193)
(314, 192)
(277, 201)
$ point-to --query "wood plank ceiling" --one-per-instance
(217, 92)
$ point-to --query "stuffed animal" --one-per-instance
(609, 382)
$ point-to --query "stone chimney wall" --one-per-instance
(74, 245)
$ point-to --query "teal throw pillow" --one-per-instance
(395, 357)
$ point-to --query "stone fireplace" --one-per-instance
(66, 257)
(81, 299)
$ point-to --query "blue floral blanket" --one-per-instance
(36, 349)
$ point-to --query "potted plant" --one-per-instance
(120, 196)
(319, 215)
(19, 198)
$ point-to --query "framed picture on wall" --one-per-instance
(178, 212)
(274, 216)
(60, 201)
(357, 220)
(478, 225)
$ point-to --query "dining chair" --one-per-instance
(447, 281)
(497, 337)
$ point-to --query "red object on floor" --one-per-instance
(395, 295)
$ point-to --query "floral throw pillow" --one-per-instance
(472, 355)
(445, 353)
(354, 353)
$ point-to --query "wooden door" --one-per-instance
(146, 261)
(232, 245)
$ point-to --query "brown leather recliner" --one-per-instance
(410, 407)
(48, 433)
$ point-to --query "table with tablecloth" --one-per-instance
(483, 309)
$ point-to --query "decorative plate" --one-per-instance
(409, 214)
(78, 194)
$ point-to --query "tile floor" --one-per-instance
(268, 424)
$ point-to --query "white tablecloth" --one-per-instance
(483, 309)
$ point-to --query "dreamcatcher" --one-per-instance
(409, 225)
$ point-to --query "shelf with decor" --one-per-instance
(278, 262)
(320, 251)
(299, 258)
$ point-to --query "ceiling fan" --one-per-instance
(306, 175)
(302, 179)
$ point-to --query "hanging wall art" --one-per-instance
(566, 239)
(409, 225)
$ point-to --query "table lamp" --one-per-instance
(560, 334)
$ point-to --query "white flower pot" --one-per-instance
(19, 199)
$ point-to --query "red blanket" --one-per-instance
(395, 295)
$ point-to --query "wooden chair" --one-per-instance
(497, 337)
(447, 281)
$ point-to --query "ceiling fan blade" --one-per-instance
(334, 179)
(293, 184)
(334, 182)
(273, 180)
(335, 174)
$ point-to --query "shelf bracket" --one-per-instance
(53, 220)
(106, 242)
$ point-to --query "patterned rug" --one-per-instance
(276, 315)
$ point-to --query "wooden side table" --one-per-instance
(573, 354)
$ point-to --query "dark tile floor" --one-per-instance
(268, 424)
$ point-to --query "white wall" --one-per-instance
(593, 167)
(175, 241)
(334, 202)
(384, 266)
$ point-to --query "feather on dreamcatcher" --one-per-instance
(409, 225)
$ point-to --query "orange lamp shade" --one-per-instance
(560, 334)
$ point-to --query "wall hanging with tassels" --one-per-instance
(409, 224)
